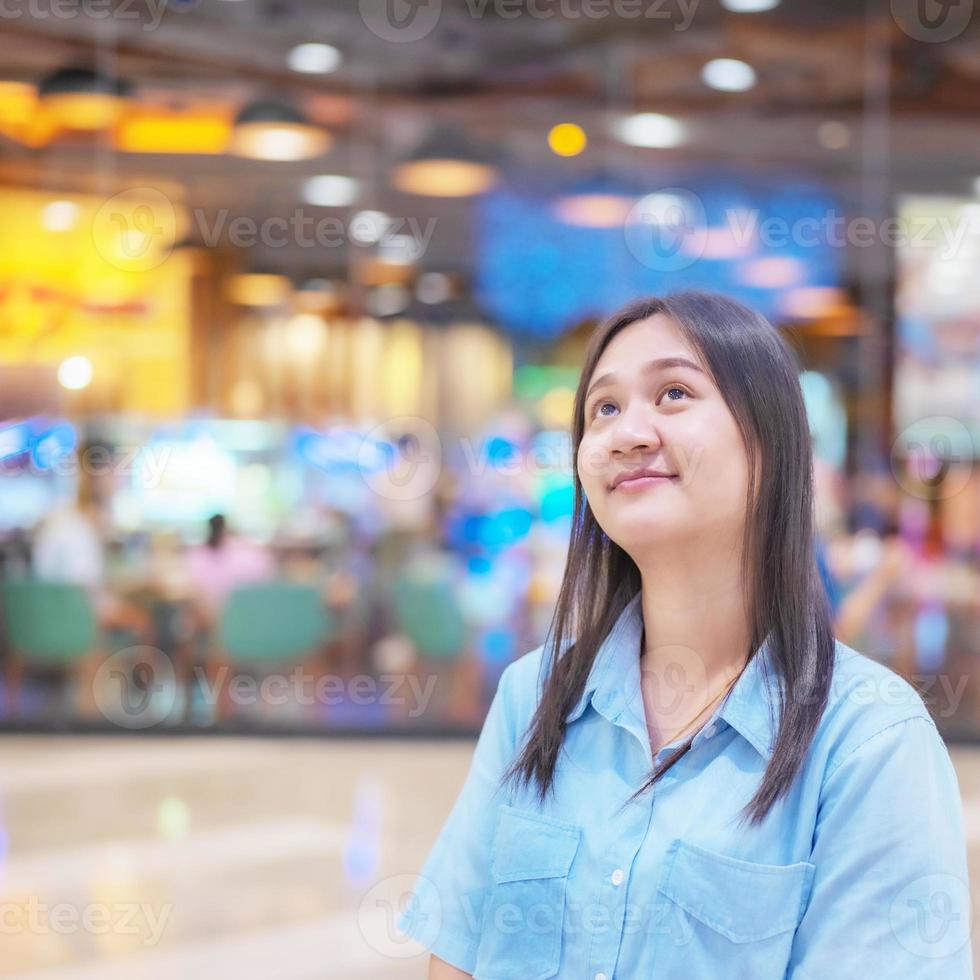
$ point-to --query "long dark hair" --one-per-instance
(757, 376)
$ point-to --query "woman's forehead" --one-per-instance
(655, 336)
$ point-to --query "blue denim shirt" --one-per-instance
(860, 870)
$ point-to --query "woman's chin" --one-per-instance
(642, 532)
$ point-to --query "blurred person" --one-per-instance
(222, 563)
(805, 812)
(214, 570)
(871, 568)
(70, 547)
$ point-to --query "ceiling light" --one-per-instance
(651, 129)
(258, 288)
(79, 98)
(595, 210)
(59, 215)
(276, 131)
(317, 295)
(367, 227)
(728, 75)
(567, 139)
(314, 59)
(445, 164)
(330, 191)
(75, 373)
(749, 6)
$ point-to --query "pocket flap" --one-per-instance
(527, 845)
(743, 900)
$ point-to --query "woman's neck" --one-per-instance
(695, 612)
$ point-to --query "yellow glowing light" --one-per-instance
(84, 110)
(18, 102)
(556, 407)
(75, 373)
(74, 295)
(162, 131)
(567, 139)
(444, 178)
(258, 289)
(305, 335)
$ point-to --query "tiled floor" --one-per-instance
(197, 858)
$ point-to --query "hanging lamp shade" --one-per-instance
(269, 130)
(446, 164)
(80, 98)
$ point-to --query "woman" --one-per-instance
(704, 783)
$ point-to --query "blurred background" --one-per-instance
(293, 299)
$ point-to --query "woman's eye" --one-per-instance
(669, 393)
(598, 410)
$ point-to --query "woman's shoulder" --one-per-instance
(521, 681)
(866, 699)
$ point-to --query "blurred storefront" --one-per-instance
(241, 274)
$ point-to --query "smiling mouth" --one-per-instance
(642, 481)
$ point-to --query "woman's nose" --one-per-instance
(636, 430)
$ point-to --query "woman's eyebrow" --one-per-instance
(655, 365)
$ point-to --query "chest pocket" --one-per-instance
(720, 913)
(521, 928)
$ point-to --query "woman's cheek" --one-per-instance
(593, 468)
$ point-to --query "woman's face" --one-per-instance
(652, 405)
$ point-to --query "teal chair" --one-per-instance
(49, 625)
(274, 622)
(267, 625)
(429, 614)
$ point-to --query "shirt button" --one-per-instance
(600, 976)
(617, 876)
(710, 730)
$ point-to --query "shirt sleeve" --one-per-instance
(445, 906)
(891, 894)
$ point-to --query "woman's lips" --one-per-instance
(641, 483)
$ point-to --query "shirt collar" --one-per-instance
(751, 708)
